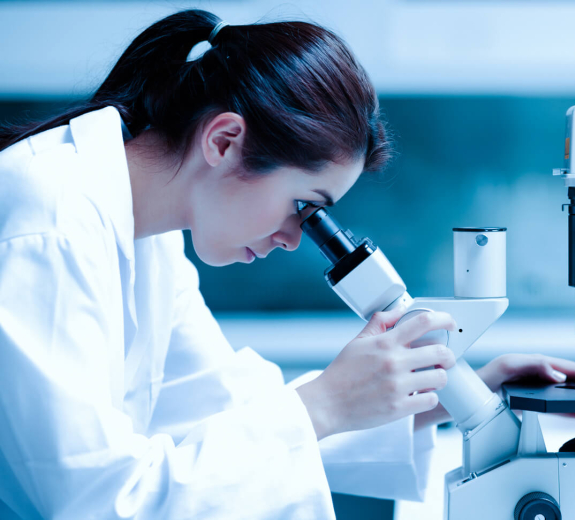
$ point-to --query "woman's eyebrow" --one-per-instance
(328, 199)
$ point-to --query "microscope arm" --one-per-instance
(490, 430)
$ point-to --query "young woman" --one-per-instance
(120, 397)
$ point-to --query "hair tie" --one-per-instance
(215, 31)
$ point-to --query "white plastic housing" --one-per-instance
(473, 317)
(494, 494)
(479, 264)
(465, 395)
(371, 287)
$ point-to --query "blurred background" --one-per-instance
(475, 94)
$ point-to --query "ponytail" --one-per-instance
(305, 99)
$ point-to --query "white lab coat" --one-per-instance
(119, 395)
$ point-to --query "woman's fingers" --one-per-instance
(372, 380)
(429, 356)
(434, 379)
(419, 403)
(515, 366)
(414, 328)
(562, 366)
(546, 371)
(381, 321)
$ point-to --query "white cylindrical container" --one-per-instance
(479, 262)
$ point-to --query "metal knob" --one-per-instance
(537, 506)
(435, 337)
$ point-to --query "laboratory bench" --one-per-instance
(299, 342)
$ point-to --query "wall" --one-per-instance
(460, 161)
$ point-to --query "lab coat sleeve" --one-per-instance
(67, 453)
(390, 461)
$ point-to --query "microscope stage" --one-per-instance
(554, 398)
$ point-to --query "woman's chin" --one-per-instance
(218, 258)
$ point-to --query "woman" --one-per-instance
(120, 397)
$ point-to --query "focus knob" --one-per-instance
(434, 337)
(537, 506)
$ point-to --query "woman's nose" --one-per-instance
(289, 236)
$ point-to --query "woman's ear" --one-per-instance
(223, 138)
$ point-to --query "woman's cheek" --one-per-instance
(266, 221)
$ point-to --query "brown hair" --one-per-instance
(305, 99)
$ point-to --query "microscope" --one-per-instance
(507, 473)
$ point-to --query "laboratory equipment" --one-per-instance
(568, 175)
(506, 472)
(364, 278)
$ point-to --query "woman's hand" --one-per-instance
(505, 369)
(372, 381)
(513, 367)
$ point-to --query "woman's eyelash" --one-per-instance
(301, 206)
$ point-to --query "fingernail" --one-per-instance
(559, 376)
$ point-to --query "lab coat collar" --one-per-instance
(99, 137)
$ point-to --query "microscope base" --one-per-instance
(494, 493)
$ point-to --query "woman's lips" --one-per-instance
(250, 255)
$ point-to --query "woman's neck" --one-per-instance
(152, 177)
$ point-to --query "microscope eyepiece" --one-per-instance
(327, 233)
(320, 226)
(358, 270)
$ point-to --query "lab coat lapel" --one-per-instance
(98, 138)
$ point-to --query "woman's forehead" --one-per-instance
(336, 179)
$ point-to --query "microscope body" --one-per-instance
(506, 471)
(480, 288)
(533, 484)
